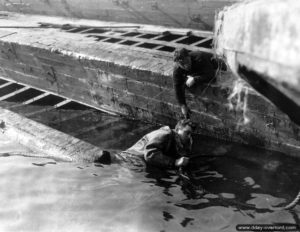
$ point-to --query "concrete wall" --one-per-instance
(137, 82)
(264, 37)
(175, 13)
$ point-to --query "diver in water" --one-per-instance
(165, 147)
(191, 68)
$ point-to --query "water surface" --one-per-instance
(45, 195)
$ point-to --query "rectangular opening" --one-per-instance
(49, 100)
(24, 96)
(131, 34)
(190, 40)
(128, 42)
(3, 81)
(207, 44)
(113, 40)
(166, 49)
(10, 88)
(98, 37)
(147, 36)
(148, 45)
(94, 31)
(170, 37)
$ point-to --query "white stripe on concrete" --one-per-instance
(35, 98)
(62, 103)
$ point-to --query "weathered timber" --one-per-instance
(45, 141)
(137, 82)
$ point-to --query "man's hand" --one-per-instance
(190, 81)
(181, 161)
(185, 111)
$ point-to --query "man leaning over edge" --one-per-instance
(190, 67)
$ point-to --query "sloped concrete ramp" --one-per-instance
(45, 141)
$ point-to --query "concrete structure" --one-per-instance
(45, 141)
(261, 42)
(175, 13)
(129, 72)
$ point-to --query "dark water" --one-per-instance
(45, 195)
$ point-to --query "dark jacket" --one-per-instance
(160, 148)
(202, 69)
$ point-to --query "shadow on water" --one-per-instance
(249, 180)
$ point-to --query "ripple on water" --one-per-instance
(45, 195)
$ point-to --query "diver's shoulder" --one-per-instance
(166, 129)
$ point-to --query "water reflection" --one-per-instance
(237, 186)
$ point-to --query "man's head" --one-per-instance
(184, 129)
(183, 59)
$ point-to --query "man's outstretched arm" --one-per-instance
(179, 79)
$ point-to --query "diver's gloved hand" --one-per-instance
(190, 81)
(183, 161)
(185, 111)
